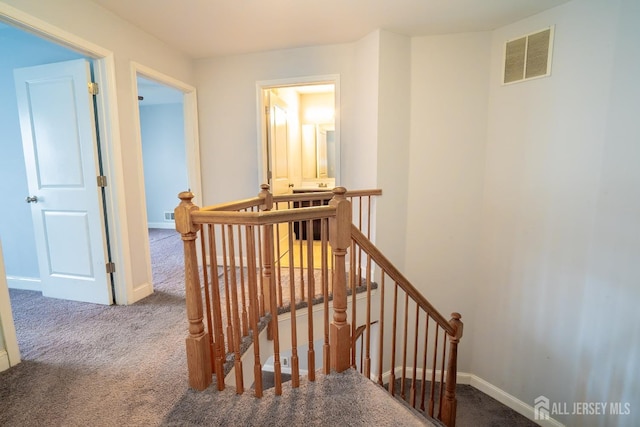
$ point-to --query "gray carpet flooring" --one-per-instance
(92, 365)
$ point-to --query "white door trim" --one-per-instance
(9, 352)
(294, 81)
(191, 142)
(107, 113)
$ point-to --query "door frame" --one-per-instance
(262, 85)
(191, 143)
(109, 132)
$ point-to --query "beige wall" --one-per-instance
(228, 122)
(393, 143)
(449, 94)
(558, 283)
(523, 204)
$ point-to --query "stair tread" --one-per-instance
(347, 398)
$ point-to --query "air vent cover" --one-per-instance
(528, 57)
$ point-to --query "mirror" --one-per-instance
(318, 151)
(317, 112)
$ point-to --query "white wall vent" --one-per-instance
(169, 216)
(528, 57)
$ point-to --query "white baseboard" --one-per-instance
(141, 291)
(484, 386)
(4, 361)
(167, 225)
(24, 283)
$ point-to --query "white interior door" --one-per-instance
(278, 149)
(278, 137)
(61, 154)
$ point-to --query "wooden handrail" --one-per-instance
(399, 278)
(323, 195)
(297, 197)
(235, 205)
(262, 217)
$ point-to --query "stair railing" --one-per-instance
(421, 355)
(248, 268)
(230, 285)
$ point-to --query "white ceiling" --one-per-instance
(207, 28)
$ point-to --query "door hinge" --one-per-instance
(102, 181)
(269, 175)
(111, 267)
(93, 88)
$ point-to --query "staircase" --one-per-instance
(304, 266)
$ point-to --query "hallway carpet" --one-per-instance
(92, 365)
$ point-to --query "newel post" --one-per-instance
(340, 240)
(448, 414)
(267, 252)
(197, 342)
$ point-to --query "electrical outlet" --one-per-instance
(285, 361)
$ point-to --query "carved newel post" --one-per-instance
(448, 414)
(340, 240)
(197, 343)
(267, 251)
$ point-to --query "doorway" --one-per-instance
(20, 49)
(168, 143)
(311, 106)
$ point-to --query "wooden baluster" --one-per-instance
(340, 238)
(273, 308)
(381, 337)
(404, 347)
(369, 217)
(392, 378)
(367, 343)
(311, 287)
(295, 364)
(260, 278)
(412, 395)
(197, 342)
(424, 362)
(301, 226)
(267, 257)
(441, 387)
(360, 249)
(277, 263)
(243, 296)
(253, 308)
(352, 285)
(207, 296)
(235, 314)
(227, 289)
(433, 374)
(448, 416)
(217, 309)
(326, 360)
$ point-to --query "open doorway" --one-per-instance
(168, 141)
(299, 149)
(161, 110)
(28, 50)
(304, 113)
